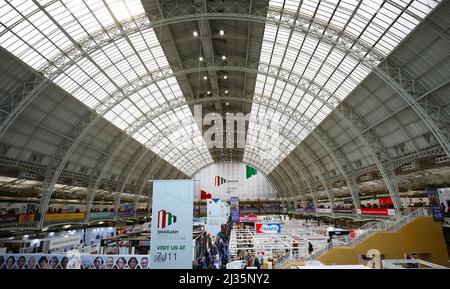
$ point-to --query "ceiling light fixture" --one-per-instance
(195, 33)
(221, 32)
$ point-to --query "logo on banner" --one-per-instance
(273, 228)
(249, 172)
(218, 181)
(205, 195)
(165, 219)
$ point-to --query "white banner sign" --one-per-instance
(321, 210)
(214, 216)
(64, 242)
(172, 213)
(225, 212)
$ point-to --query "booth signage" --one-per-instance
(343, 211)
(64, 216)
(326, 211)
(171, 230)
(268, 228)
(64, 242)
(376, 211)
(249, 218)
(234, 202)
(214, 217)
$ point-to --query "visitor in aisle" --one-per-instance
(310, 248)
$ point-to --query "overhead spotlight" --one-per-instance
(225, 77)
(195, 33)
(226, 91)
(100, 223)
(44, 229)
(200, 58)
(66, 226)
(205, 77)
(221, 32)
(208, 92)
(227, 103)
(224, 57)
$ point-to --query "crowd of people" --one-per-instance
(217, 253)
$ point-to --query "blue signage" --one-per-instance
(234, 203)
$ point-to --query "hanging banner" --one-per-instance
(214, 216)
(171, 231)
(444, 201)
(268, 228)
(64, 242)
(225, 213)
(385, 201)
(322, 210)
(249, 218)
(64, 216)
(376, 211)
(234, 202)
(343, 211)
(435, 204)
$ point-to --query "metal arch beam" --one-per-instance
(282, 17)
(299, 185)
(384, 174)
(135, 160)
(320, 175)
(294, 184)
(308, 183)
(282, 186)
(146, 175)
(100, 170)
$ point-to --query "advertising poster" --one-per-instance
(444, 201)
(72, 260)
(62, 242)
(234, 202)
(376, 211)
(324, 211)
(171, 231)
(268, 228)
(435, 204)
(225, 212)
(214, 216)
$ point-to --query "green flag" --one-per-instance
(249, 171)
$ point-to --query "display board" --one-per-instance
(268, 228)
(234, 202)
(435, 204)
(214, 216)
(72, 260)
(376, 212)
(171, 231)
(444, 201)
(226, 180)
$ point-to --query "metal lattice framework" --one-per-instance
(81, 50)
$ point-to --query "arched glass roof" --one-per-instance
(99, 79)
(128, 79)
(379, 25)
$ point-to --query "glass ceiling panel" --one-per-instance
(330, 71)
(107, 73)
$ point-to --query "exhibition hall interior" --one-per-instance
(224, 134)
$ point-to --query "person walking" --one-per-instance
(310, 248)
